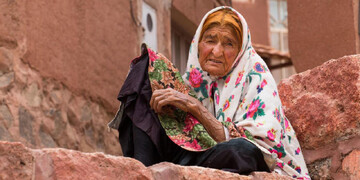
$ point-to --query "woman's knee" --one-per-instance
(240, 145)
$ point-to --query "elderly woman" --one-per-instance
(226, 114)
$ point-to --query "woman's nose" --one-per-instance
(217, 50)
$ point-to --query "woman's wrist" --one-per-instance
(207, 119)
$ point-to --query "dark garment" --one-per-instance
(142, 137)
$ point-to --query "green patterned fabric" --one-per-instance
(181, 127)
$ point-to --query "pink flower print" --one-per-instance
(271, 135)
(274, 93)
(190, 122)
(252, 52)
(287, 127)
(216, 98)
(226, 105)
(238, 79)
(227, 80)
(241, 103)
(195, 78)
(259, 124)
(263, 83)
(152, 55)
(177, 141)
(228, 119)
(277, 114)
(261, 86)
(279, 154)
(193, 145)
(297, 151)
(290, 163)
(253, 108)
(213, 86)
(280, 165)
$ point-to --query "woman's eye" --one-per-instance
(229, 44)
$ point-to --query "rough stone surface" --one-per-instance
(44, 112)
(19, 162)
(70, 164)
(5, 115)
(166, 170)
(25, 125)
(320, 169)
(323, 103)
(323, 106)
(6, 79)
(351, 165)
(4, 134)
(265, 176)
(5, 60)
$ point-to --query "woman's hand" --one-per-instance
(163, 97)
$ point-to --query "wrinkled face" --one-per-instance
(218, 49)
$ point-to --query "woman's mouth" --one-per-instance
(215, 61)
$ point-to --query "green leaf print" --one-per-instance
(160, 66)
(248, 135)
(155, 75)
(260, 112)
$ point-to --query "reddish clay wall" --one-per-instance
(84, 44)
(257, 16)
(193, 10)
(320, 30)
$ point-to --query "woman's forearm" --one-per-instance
(211, 124)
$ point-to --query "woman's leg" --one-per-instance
(237, 155)
(144, 149)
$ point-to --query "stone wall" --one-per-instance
(323, 105)
(43, 112)
(19, 162)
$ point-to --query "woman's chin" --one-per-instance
(214, 69)
(215, 72)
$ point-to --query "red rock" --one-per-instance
(166, 170)
(266, 176)
(69, 164)
(19, 162)
(351, 165)
(41, 112)
(16, 161)
(323, 103)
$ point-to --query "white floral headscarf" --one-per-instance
(247, 97)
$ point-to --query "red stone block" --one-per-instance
(351, 165)
(323, 103)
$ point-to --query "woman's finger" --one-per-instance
(163, 97)
(155, 94)
(156, 101)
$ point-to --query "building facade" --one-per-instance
(88, 45)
